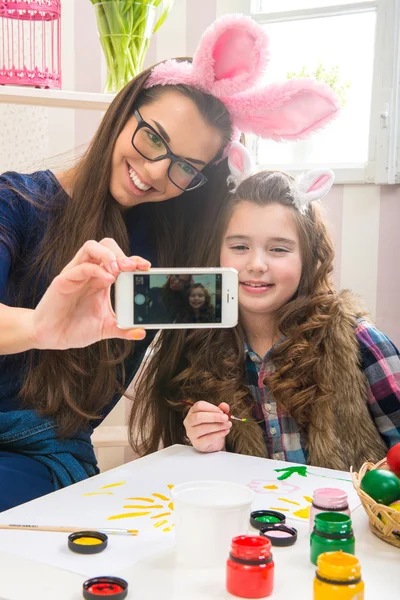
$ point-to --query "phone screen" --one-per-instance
(177, 298)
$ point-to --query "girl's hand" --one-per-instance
(76, 309)
(207, 426)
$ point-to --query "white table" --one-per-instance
(159, 578)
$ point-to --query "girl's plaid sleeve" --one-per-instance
(381, 365)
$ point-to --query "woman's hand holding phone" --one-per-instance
(207, 426)
(76, 309)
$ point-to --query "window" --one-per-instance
(354, 47)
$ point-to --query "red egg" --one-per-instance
(393, 459)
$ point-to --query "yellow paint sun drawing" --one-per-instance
(158, 507)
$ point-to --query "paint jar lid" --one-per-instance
(330, 498)
(261, 518)
(112, 587)
(279, 534)
(248, 548)
(338, 567)
(87, 542)
(332, 523)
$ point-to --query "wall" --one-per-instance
(364, 219)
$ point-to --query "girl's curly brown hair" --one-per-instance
(210, 365)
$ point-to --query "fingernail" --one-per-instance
(114, 266)
(138, 334)
(141, 263)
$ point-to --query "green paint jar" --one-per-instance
(332, 532)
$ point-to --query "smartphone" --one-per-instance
(177, 298)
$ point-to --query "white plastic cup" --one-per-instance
(208, 514)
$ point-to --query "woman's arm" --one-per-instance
(76, 310)
(16, 327)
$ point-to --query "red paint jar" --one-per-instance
(250, 568)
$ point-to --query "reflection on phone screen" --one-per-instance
(177, 298)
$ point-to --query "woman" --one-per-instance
(169, 303)
(148, 190)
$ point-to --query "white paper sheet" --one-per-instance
(141, 489)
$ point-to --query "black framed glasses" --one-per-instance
(148, 142)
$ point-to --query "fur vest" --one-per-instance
(343, 434)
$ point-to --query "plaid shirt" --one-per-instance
(381, 365)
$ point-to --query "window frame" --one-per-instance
(383, 164)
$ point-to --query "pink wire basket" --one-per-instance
(30, 43)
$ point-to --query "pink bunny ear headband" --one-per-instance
(312, 185)
(229, 62)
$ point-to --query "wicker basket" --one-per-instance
(384, 521)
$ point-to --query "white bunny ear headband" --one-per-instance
(310, 186)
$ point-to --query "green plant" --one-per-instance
(125, 35)
(330, 76)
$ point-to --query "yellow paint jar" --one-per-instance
(87, 542)
(338, 577)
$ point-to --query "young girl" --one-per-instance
(317, 381)
(144, 191)
(201, 309)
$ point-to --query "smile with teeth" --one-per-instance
(139, 184)
(256, 285)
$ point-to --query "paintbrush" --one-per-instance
(190, 403)
(65, 529)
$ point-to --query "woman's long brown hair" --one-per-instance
(73, 386)
(209, 364)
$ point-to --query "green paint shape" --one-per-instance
(289, 471)
(303, 472)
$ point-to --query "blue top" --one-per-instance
(22, 227)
